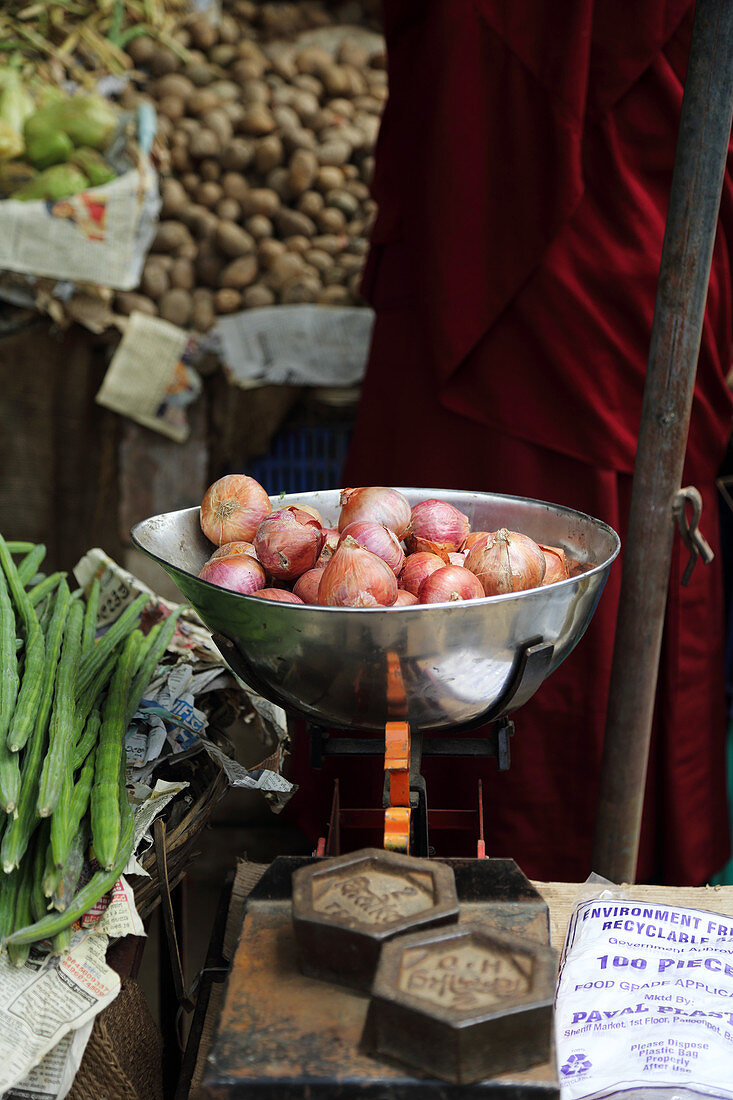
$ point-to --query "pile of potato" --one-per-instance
(269, 156)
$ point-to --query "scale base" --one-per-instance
(283, 1036)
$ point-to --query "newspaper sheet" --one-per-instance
(149, 378)
(295, 345)
(99, 236)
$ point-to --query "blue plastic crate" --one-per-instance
(303, 459)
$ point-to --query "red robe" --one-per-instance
(522, 174)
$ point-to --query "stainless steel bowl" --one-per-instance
(459, 662)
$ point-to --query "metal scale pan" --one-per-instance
(460, 663)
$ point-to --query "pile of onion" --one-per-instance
(381, 553)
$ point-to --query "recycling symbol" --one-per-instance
(575, 1065)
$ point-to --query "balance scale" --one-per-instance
(319, 935)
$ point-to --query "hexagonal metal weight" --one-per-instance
(345, 909)
(463, 1003)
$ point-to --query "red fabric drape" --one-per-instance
(523, 173)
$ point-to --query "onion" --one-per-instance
(357, 578)
(231, 549)
(472, 538)
(306, 508)
(288, 543)
(378, 504)
(329, 546)
(306, 586)
(238, 573)
(417, 567)
(458, 558)
(379, 539)
(233, 508)
(436, 525)
(450, 583)
(405, 598)
(507, 561)
(557, 566)
(283, 595)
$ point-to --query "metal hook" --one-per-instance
(693, 539)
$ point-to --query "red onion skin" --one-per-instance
(380, 540)
(507, 561)
(233, 508)
(449, 584)
(357, 578)
(557, 566)
(238, 573)
(473, 537)
(458, 558)
(231, 549)
(416, 568)
(329, 546)
(377, 503)
(306, 508)
(405, 599)
(282, 595)
(306, 586)
(288, 543)
(438, 523)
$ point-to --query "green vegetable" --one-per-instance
(39, 591)
(13, 174)
(90, 617)
(11, 143)
(64, 825)
(16, 103)
(32, 683)
(88, 739)
(44, 147)
(22, 914)
(105, 802)
(9, 677)
(91, 696)
(87, 120)
(152, 651)
(93, 659)
(53, 184)
(18, 832)
(99, 884)
(94, 166)
(28, 568)
(38, 901)
(63, 725)
(8, 895)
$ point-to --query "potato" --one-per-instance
(227, 300)
(342, 200)
(203, 33)
(330, 220)
(174, 198)
(260, 200)
(204, 143)
(240, 273)
(306, 106)
(354, 285)
(200, 101)
(283, 268)
(249, 49)
(210, 169)
(336, 79)
(189, 126)
(297, 243)
(199, 73)
(228, 210)
(229, 31)
(208, 193)
(268, 153)
(367, 169)
(233, 111)
(234, 186)
(127, 302)
(175, 84)
(335, 276)
(345, 132)
(277, 180)
(302, 171)
(219, 122)
(310, 202)
(169, 236)
(285, 117)
(254, 93)
(141, 50)
(257, 120)
(154, 281)
(333, 152)
(257, 296)
(351, 53)
(299, 138)
(164, 61)
(291, 222)
(330, 243)
(208, 264)
(283, 64)
(180, 160)
(319, 259)
(351, 263)
(233, 240)
(238, 154)
(191, 182)
(171, 107)
(182, 274)
(369, 126)
(359, 190)
(225, 90)
(308, 83)
(223, 55)
(259, 226)
(176, 136)
(300, 290)
(187, 251)
(334, 296)
(329, 178)
(202, 310)
(268, 251)
(175, 306)
(342, 109)
(312, 59)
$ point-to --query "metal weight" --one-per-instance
(346, 909)
(463, 1003)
